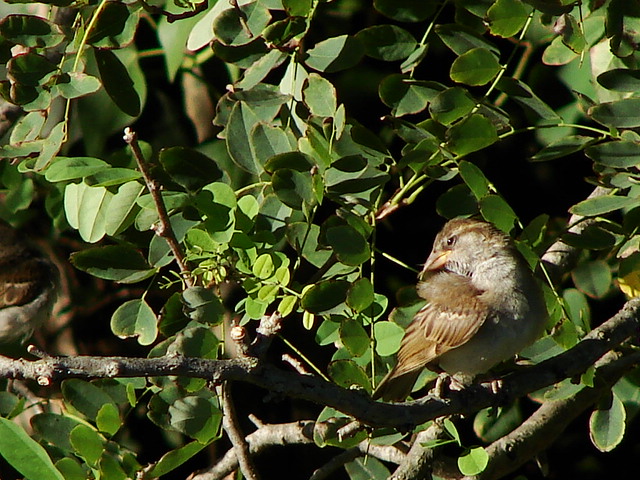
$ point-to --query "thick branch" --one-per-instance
(357, 404)
(280, 435)
(544, 426)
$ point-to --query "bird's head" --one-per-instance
(463, 246)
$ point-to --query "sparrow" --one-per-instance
(27, 287)
(483, 306)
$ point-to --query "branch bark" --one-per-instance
(575, 361)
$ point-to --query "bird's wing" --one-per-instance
(454, 314)
(20, 284)
(436, 329)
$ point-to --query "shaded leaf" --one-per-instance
(607, 425)
(335, 54)
(25, 454)
(117, 82)
(476, 67)
(135, 318)
(119, 263)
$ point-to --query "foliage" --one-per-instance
(285, 203)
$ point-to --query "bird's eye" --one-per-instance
(451, 241)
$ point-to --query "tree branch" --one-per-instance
(240, 446)
(561, 257)
(295, 433)
(163, 229)
(357, 404)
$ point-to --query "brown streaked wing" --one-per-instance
(20, 283)
(442, 326)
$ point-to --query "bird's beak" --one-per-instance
(435, 262)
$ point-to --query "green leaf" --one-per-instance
(298, 161)
(497, 211)
(607, 424)
(592, 278)
(25, 454)
(320, 96)
(108, 419)
(405, 10)
(218, 202)
(297, 8)
(304, 239)
(472, 134)
(324, 297)
(55, 428)
(476, 67)
(117, 82)
(405, 95)
(238, 135)
(77, 84)
(123, 207)
(200, 418)
(293, 188)
(388, 336)
(475, 179)
(30, 31)
(620, 80)
(335, 54)
(189, 168)
(615, 154)
(361, 294)
(71, 168)
(231, 30)
(354, 337)
(135, 318)
(387, 42)
(87, 210)
(592, 207)
(367, 469)
(160, 254)
(85, 397)
(521, 93)
(111, 467)
(578, 310)
(120, 263)
(492, 424)
(460, 38)
(29, 69)
(619, 114)
(202, 305)
(507, 17)
(474, 461)
(457, 201)
(593, 237)
(174, 458)
(267, 141)
(328, 332)
(115, 26)
(71, 469)
(347, 373)
(349, 245)
(563, 147)
(450, 105)
(87, 443)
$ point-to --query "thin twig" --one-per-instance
(163, 229)
(174, 17)
(240, 445)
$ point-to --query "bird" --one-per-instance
(28, 287)
(484, 305)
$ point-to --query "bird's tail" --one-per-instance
(396, 388)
